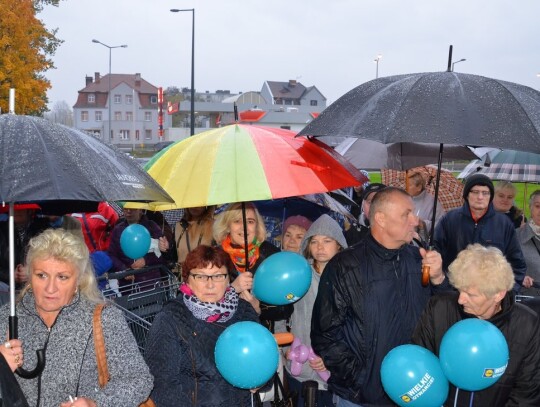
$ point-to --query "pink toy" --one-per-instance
(299, 354)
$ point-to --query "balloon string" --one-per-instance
(456, 397)
(472, 398)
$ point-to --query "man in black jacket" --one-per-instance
(370, 298)
(484, 279)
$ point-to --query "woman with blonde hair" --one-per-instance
(484, 281)
(55, 313)
(503, 201)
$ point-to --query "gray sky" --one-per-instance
(330, 44)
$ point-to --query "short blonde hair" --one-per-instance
(64, 246)
(418, 180)
(505, 185)
(223, 221)
(485, 268)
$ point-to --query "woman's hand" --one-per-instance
(246, 295)
(528, 282)
(317, 364)
(13, 353)
(243, 282)
(139, 263)
(79, 402)
(163, 244)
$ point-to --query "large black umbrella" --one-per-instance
(42, 161)
(437, 107)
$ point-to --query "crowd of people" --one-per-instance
(367, 295)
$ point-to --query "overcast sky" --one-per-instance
(330, 44)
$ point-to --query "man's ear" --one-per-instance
(380, 219)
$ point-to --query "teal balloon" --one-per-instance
(412, 376)
(246, 355)
(474, 354)
(282, 278)
(135, 241)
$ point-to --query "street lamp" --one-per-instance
(109, 94)
(376, 60)
(192, 113)
(457, 62)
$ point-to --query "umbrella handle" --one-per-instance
(425, 275)
(40, 353)
(31, 374)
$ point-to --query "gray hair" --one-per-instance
(533, 196)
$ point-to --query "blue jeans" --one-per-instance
(346, 403)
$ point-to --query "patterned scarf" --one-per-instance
(220, 311)
(238, 253)
(535, 228)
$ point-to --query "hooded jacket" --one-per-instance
(180, 354)
(520, 383)
(457, 229)
(70, 367)
(369, 301)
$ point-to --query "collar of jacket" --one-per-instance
(28, 304)
(466, 211)
(381, 252)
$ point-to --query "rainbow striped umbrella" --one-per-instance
(240, 163)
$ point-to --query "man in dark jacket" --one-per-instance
(478, 222)
(370, 298)
(484, 279)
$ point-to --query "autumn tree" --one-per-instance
(26, 49)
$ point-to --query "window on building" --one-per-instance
(91, 98)
(124, 134)
(285, 127)
(153, 100)
(99, 116)
(129, 99)
(84, 116)
(313, 103)
(147, 116)
(137, 134)
(148, 134)
(117, 116)
(117, 98)
(129, 116)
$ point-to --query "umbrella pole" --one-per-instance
(246, 244)
(437, 181)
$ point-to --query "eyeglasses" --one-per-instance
(216, 278)
(483, 193)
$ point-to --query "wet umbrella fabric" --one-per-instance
(239, 163)
(372, 155)
(436, 107)
(42, 161)
(506, 165)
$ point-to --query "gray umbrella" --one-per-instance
(437, 107)
(42, 161)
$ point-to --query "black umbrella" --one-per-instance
(436, 107)
(42, 161)
(12, 395)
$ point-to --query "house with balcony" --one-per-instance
(133, 110)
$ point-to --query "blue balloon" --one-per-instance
(135, 241)
(282, 278)
(473, 354)
(246, 355)
(412, 376)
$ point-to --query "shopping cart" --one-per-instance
(140, 301)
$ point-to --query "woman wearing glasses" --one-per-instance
(181, 342)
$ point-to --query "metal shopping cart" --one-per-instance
(140, 301)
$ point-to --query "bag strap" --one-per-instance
(99, 344)
(90, 237)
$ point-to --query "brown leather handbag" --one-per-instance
(101, 356)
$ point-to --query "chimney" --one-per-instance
(292, 83)
(137, 79)
(97, 76)
(88, 79)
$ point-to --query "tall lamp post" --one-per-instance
(109, 93)
(376, 60)
(457, 62)
(192, 113)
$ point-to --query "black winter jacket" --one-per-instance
(457, 229)
(369, 301)
(520, 383)
(180, 355)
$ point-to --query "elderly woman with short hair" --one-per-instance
(529, 239)
(484, 280)
(181, 343)
(55, 312)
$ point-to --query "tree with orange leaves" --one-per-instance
(26, 49)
